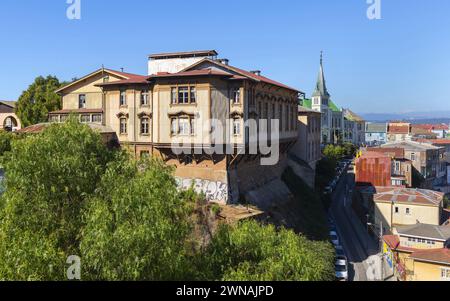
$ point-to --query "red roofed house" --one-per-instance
(419, 252)
(399, 131)
(175, 111)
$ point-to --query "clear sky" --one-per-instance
(397, 64)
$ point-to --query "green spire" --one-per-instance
(321, 88)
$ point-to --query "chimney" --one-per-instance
(121, 69)
(224, 61)
(256, 72)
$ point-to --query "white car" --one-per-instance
(334, 238)
(341, 267)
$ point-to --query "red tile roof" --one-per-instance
(399, 129)
(434, 141)
(201, 72)
(433, 255)
(244, 73)
(408, 196)
(396, 152)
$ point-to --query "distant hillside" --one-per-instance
(413, 117)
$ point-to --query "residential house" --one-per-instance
(438, 131)
(8, 118)
(399, 131)
(428, 161)
(354, 128)
(177, 111)
(420, 132)
(419, 252)
(376, 133)
(395, 207)
(401, 168)
(373, 169)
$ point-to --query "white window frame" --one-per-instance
(123, 98)
(82, 104)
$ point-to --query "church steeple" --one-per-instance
(321, 88)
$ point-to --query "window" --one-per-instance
(123, 98)
(82, 101)
(54, 118)
(123, 126)
(144, 98)
(413, 157)
(106, 79)
(396, 210)
(183, 95)
(174, 95)
(236, 127)
(445, 274)
(145, 126)
(173, 126)
(192, 126)
(236, 95)
(183, 126)
(85, 118)
(97, 118)
(144, 154)
(408, 211)
(63, 118)
(193, 95)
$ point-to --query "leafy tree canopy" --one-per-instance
(49, 177)
(38, 100)
(250, 251)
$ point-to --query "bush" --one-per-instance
(249, 251)
(138, 226)
(49, 177)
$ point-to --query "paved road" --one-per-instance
(360, 248)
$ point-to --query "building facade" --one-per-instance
(419, 252)
(399, 131)
(428, 161)
(196, 113)
(8, 118)
(376, 133)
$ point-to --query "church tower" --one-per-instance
(320, 97)
(320, 102)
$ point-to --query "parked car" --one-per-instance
(340, 251)
(341, 267)
(334, 238)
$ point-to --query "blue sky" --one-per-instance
(397, 64)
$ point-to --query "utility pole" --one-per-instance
(381, 247)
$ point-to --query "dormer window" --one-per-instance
(82, 101)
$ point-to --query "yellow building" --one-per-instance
(420, 252)
(176, 113)
(396, 206)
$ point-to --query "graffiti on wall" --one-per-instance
(213, 190)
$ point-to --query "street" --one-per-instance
(361, 249)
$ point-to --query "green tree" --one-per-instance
(138, 226)
(49, 178)
(249, 251)
(38, 100)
